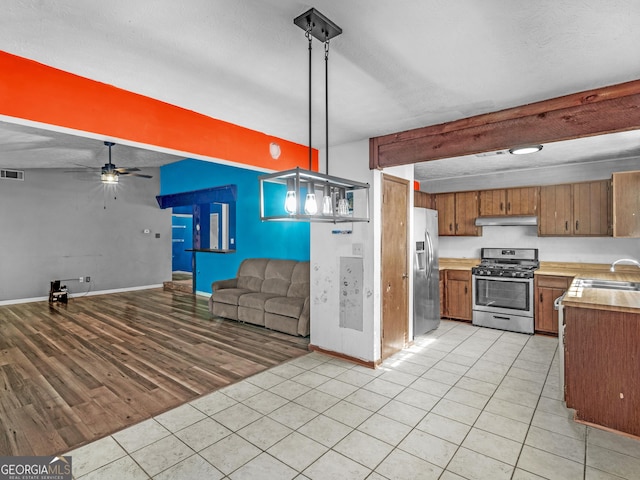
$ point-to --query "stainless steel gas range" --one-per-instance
(503, 289)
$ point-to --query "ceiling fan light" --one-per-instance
(110, 178)
(525, 149)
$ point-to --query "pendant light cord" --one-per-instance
(326, 104)
(308, 35)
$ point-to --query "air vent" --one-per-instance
(12, 174)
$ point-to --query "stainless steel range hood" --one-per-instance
(503, 221)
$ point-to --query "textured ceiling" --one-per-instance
(397, 66)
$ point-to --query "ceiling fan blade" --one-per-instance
(141, 175)
(127, 170)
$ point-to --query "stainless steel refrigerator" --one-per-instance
(426, 277)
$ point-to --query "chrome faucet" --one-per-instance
(626, 260)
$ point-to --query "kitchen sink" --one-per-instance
(609, 284)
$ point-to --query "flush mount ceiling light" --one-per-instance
(342, 200)
(525, 149)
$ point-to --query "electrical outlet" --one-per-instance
(87, 279)
(81, 279)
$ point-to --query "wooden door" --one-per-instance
(522, 201)
(591, 208)
(467, 209)
(446, 206)
(555, 210)
(395, 265)
(493, 202)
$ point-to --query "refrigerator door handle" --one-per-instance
(429, 254)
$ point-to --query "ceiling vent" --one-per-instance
(11, 174)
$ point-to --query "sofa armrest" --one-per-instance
(221, 284)
(304, 320)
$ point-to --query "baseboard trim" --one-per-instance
(342, 356)
(78, 295)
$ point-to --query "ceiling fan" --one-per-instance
(110, 173)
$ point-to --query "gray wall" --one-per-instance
(57, 225)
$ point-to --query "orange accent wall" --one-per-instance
(32, 91)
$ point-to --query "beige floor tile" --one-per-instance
(442, 376)
(474, 466)
(444, 427)
(461, 359)
(202, 434)
(559, 424)
(354, 377)
(429, 448)
(466, 397)
(325, 430)
(293, 415)
(333, 466)
(230, 453)
(595, 474)
(385, 429)
(556, 443)
(317, 400)
(337, 388)
(265, 402)
(456, 411)
(264, 432)
(95, 455)
(194, 468)
(329, 370)
(401, 378)
(348, 413)
(311, 379)
(401, 465)
(503, 426)
(363, 448)
(236, 417)
(286, 370)
(612, 441)
(451, 367)
(494, 446)
(519, 397)
(140, 435)
(510, 410)
(214, 402)
(122, 469)
(418, 399)
(161, 455)
(403, 413)
(241, 391)
(264, 466)
(382, 387)
(520, 385)
(447, 475)
(180, 417)
(615, 463)
(297, 450)
(265, 380)
(431, 387)
(520, 474)
(477, 386)
(289, 389)
(367, 399)
(548, 465)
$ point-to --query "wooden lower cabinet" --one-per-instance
(601, 367)
(546, 289)
(457, 294)
(443, 297)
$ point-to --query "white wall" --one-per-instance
(349, 161)
(57, 225)
(550, 249)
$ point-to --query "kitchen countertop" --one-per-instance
(457, 263)
(601, 298)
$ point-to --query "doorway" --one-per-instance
(395, 266)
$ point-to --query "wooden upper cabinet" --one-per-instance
(457, 213)
(626, 204)
(509, 201)
(523, 201)
(493, 202)
(578, 209)
(555, 210)
(446, 206)
(592, 208)
(422, 199)
(467, 209)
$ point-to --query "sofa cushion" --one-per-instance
(277, 276)
(286, 306)
(229, 296)
(255, 300)
(251, 273)
(300, 281)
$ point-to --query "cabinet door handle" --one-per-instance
(508, 206)
(465, 289)
(566, 226)
(501, 207)
(577, 223)
(540, 297)
(456, 227)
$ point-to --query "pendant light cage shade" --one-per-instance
(337, 200)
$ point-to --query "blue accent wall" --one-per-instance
(254, 238)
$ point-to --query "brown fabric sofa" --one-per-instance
(267, 292)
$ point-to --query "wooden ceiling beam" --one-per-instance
(615, 108)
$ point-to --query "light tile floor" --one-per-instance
(461, 403)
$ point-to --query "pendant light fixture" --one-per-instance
(342, 200)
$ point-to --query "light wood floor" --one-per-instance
(72, 374)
